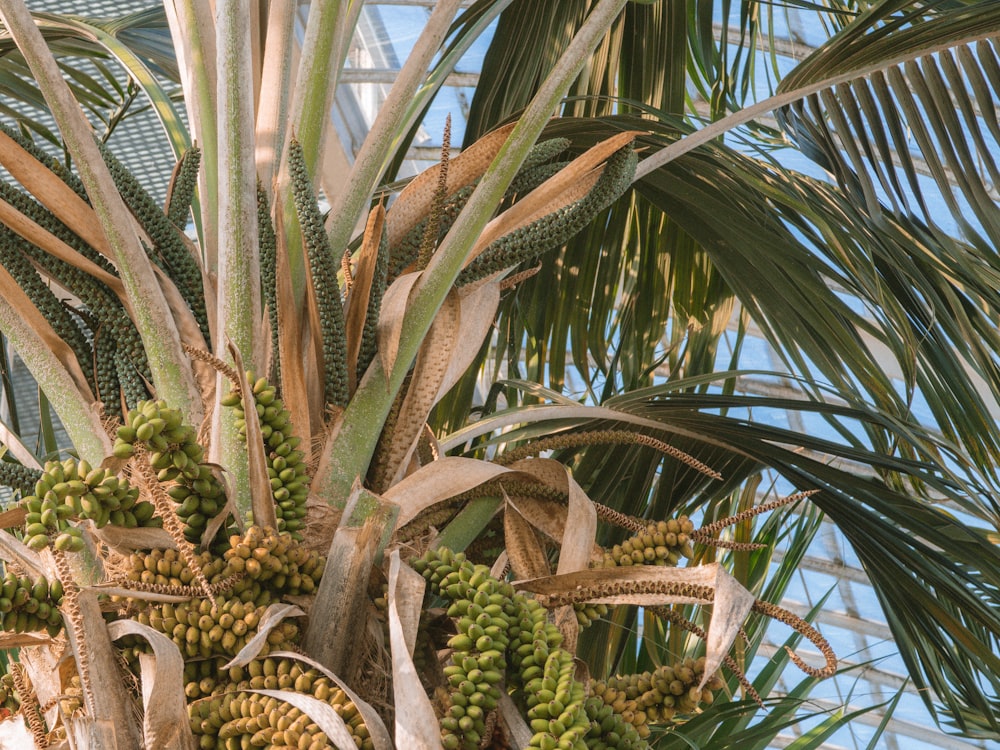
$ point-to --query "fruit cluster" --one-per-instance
(226, 716)
(8, 695)
(73, 489)
(501, 635)
(609, 729)
(219, 627)
(27, 605)
(176, 456)
(555, 705)
(657, 696)
(662, 543)
(273, 560)
(286, 467)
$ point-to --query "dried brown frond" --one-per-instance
(799, 625)
(30, 708)
(604, 437)
(442, 512)
(517, 278)
(705, 533)
(217, 364)
(171, 523)
(672, 616)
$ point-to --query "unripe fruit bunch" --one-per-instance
(286, 467)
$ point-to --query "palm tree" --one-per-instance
(729, 228)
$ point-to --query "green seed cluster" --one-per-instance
(40, 293)
(553, 230)
(112, 330)
(323, 275)
(168, 251)
(662, 543)
(268, 244)
(478, 649)
(18, 476)
(27, 606)
(658, 696)
(555, 705)
(176, 456)
(286, 466)
(183, 187)
(407, 250)
(609, 730)
(203, 628)
(225, 716)
(502, 636)
(369, 333)
(74, 489)
(54, 165)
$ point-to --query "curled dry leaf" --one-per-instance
(416, 723)
(166, 725)
(429, 372)
(121, 539)
(441, 480)
(272, 617)
(390, 321)
(112, 589)
(524, 551)
(357, 300)
(376, 729)
(326, 718)
(573, 526)
(647, 585)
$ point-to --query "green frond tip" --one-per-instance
(268, 274)
(553, 230)
(169, 251)
(366, 352)
(323, 277)
(182, 187)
